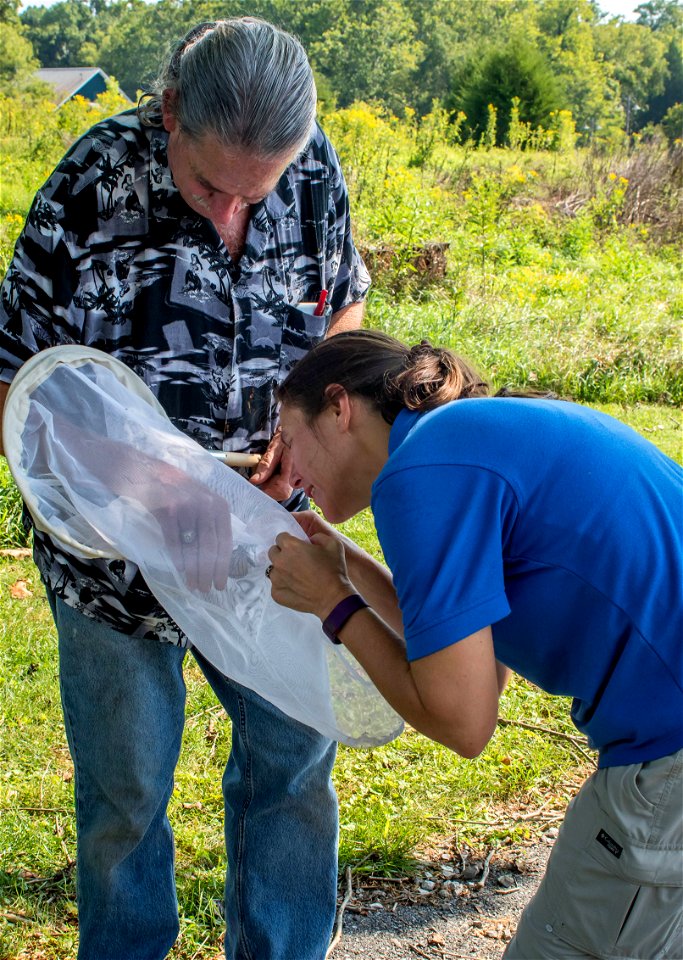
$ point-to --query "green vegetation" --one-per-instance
(543, 246)
(12, 532)
(615, 77)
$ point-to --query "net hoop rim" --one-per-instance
(30, 375)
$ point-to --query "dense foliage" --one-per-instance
(516, 72)
(613, 76)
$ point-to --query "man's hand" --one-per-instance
(272, 473)
(311, 577)
(194, 520)
(196, 528)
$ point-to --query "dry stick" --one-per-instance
(419, 952)
(215, 710)
(456, 956)
(55, 878)
(492, 823)
(338, 928)
(15, 917)
(534, 813)
(443, 954)
(16, 552)
(69, 859)
(575, 741)
(479, 885)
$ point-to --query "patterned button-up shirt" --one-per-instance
(112, 257)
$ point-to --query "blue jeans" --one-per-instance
(123, 701)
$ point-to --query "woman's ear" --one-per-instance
(168, 102)
(339, 403)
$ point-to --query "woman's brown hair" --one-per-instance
(381, 369)
(388, 373)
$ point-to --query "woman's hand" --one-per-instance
(310, 577)
(312, 523)
(272, 473)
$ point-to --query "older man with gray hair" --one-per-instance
(189, 239)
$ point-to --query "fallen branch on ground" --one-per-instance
(479, 885)
(576, 742)
(340, 915)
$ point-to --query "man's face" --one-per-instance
(216, 181)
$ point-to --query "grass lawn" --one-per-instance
(395, 801)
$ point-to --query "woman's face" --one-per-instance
(322, 462)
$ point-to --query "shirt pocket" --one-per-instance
(301, 331)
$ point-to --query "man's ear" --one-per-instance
(168, 115)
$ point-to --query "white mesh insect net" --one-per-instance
(106, 474)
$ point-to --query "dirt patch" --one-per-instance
(470, 913)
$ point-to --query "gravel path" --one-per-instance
(452, 920)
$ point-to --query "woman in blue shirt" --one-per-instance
(520, 533)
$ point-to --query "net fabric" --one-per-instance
(105, 473)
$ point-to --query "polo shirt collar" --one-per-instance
(401, 427)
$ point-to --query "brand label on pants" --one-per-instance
(614, 848)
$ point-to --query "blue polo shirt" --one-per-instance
(561, 528)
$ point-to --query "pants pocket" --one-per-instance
(608, 893)
(608, 916)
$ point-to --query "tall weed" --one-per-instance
(12, 531)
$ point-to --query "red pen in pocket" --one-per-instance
(320, 306)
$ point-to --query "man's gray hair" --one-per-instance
(242, 80)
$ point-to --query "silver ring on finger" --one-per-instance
(269, 570)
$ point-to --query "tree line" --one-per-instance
(469, 56)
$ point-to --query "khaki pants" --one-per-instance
(614, 883)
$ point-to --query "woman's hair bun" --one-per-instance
(433, 376)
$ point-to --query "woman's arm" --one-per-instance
(504, 673)
(371, 578)
(450, 696)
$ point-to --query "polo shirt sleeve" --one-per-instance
(442, 530)
(348, 280)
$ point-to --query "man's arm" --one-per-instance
(348, 318)
(4, 389)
